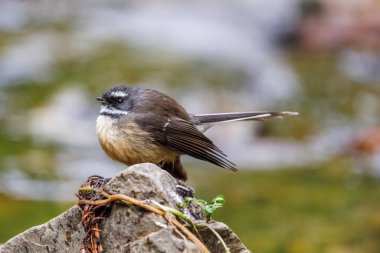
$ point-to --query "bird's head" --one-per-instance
(117, 101)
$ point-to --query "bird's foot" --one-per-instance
(184, 191)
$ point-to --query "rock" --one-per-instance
(61, 234)
(164, 240)
(230, 238)
(128, 228)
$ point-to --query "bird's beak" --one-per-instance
(101, 99)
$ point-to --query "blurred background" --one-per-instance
(306, 184)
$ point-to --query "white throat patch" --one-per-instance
(112, 111)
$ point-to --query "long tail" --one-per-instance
(200, 119)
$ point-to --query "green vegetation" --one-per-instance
(209, 208)
(325, 209)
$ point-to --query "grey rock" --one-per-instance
(164, 240)
(230, 238)
(61, 234)
(128, 228)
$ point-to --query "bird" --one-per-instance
(139, 125)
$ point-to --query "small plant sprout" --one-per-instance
(209, 208)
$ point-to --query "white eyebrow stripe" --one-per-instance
(119, 93)
(114, 111)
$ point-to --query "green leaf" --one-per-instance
(209, 209)
(219, 199)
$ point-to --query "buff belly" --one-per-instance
(129, 144)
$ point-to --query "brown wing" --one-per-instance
(185, 138)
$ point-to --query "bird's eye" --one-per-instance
(120, 100)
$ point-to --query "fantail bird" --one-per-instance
(138, 125)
